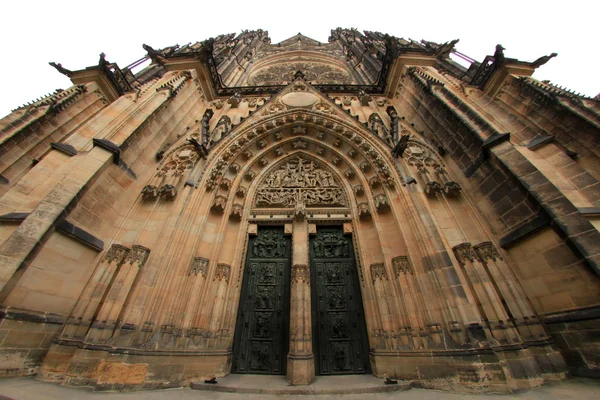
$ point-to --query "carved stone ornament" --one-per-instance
(374, 182)
(381, 202)
(464, 252)
(299, 181)
(278, 152)
(358, 190)
(300, 274)
(168, 192)
(349, 173)
(299, 130)
(249, 175)
(401, 265)
(335, 160)
(219, 204)
(138, 254)
(237, 210)
(149, 192)
(234, 168)
(351, 152)
(116, 253)
(320, 151)
(199, 266)
(363, 211)
(225, 184)
(487, 251)
(378, 272)
(263, 162)
(365, 166)
(222, 272)
(300, 212)
(299, 144)
(247, 154)
(241, 191)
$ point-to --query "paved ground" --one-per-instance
(29, 388)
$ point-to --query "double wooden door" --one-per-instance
(261, 339)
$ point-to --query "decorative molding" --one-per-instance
(138, 254)
(358, 190)
(401, 265)
(487, 251)
(222, 272)
(464, 252)
(300, 274)
(378, 272)
(117, 253)
(199, 266)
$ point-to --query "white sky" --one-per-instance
(74, 33)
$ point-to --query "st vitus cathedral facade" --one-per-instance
(362, 206)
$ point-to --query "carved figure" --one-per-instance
(300, 181)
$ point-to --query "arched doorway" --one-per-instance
(300, 295)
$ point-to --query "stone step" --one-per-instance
(277, 385)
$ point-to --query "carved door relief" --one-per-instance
(261, 337)
(340, 340)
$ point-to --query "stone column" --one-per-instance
(301, 360)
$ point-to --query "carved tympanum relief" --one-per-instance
(299, 181)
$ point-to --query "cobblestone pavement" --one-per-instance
(30, 388)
